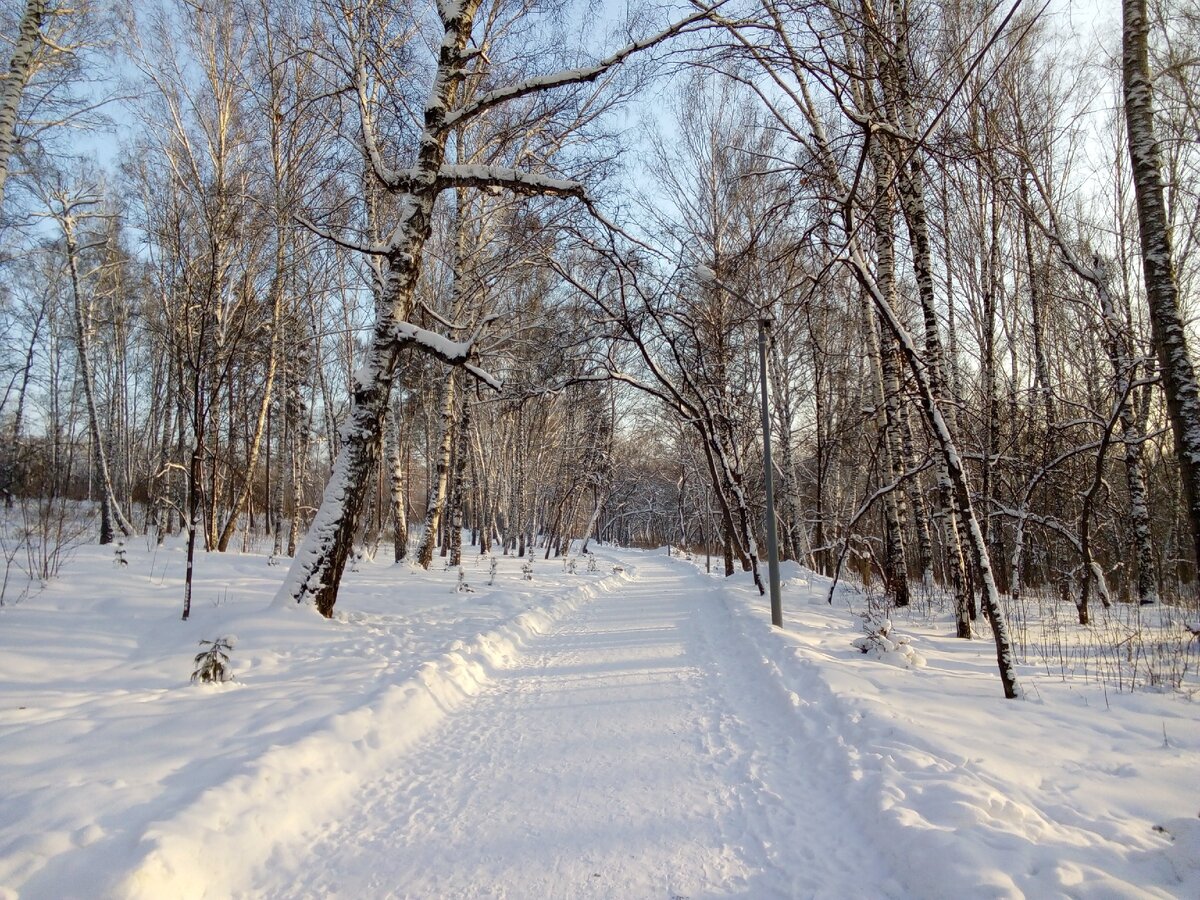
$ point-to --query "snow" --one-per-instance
(514, 179)
(632, 733)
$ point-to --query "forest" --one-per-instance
(329, 279)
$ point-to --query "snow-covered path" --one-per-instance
(630, 752)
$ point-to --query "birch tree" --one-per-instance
(317, 570)
(68, 207)
(1158, 261)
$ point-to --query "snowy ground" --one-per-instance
(639, 733)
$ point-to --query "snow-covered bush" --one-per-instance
(119, 559)
(492, 564)
(591, 562)
(882, 641)
(212, 665)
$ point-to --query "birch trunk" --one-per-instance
(317, 570)
(437, 493)
(590, 528)
(458, 492)
(110, 509)
(912, 202)
(887, 386)
(264, 408)
(1120, 358)
(1158, 267)
(399, 513)
(12, 88)
(1005, 656)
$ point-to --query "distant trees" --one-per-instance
(367, 273)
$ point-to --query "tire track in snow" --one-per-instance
(629, 753)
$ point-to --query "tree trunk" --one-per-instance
(1158, 266)
(110, 509)
(12, 87)
(458, 494)
(399, 512)
(912, 202)
(317, 570)
(1005, 656)
(437, 493)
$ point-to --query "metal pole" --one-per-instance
(769, 478)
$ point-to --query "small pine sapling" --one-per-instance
(463, 587)
(119, 559)
(591, 562)
(881, 641)
(212, 665)
(492, 563)
(569, 565)
(527, 570)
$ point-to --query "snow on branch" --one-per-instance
(454, 353)
(575, 76)
(499, 178)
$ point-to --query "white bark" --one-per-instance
(1158, 266)
(12, 87)
(317, 569)
(109, 507)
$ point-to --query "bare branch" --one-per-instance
(575, 76)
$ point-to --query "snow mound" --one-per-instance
(1184, 850)
(881, 641)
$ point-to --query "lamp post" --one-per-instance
(769, 480)
(705, 275)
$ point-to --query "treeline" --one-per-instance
(372, 274)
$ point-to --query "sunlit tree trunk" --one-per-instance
(1158, 266)
(110, 508)
(20, 67)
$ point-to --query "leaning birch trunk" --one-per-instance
(317, 569)
(590, 529)
(12, 87)
(110, 509)
(1158, 267)
(322, 556)
(1005, 657)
